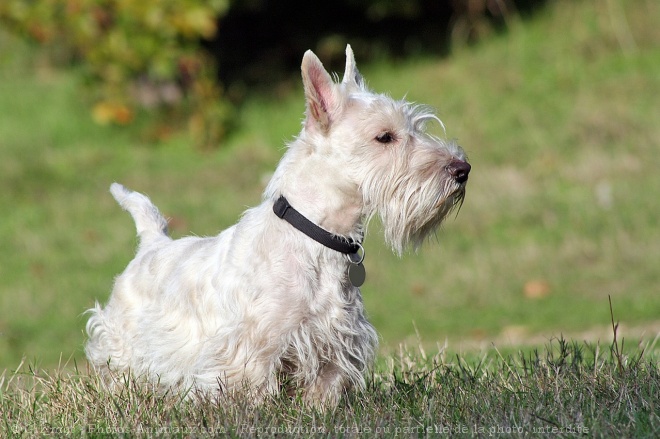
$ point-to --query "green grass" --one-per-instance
(559, 118)
(568, 389)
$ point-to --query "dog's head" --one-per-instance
(372, 155)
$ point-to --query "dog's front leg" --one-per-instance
(327, 388)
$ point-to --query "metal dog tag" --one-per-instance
(357, 274)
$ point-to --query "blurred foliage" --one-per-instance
(161, 56)
(260, 42)
(135, 54)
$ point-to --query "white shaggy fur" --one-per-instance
(262, 305)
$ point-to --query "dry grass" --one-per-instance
(567, 389)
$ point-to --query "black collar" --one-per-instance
(284, 210)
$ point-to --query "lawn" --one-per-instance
(559, 116)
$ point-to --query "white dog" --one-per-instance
(273, 302)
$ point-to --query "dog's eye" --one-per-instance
(386, 137)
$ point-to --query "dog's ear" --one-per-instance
(319, 92)
(351, 73)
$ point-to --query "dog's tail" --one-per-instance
(148, 220)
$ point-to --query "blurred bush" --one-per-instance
(136, 55)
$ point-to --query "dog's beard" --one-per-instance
(410, 223)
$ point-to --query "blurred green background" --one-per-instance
(559, 113)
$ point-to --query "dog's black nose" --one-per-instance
(459, 169)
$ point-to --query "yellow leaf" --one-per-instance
(105, 113)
